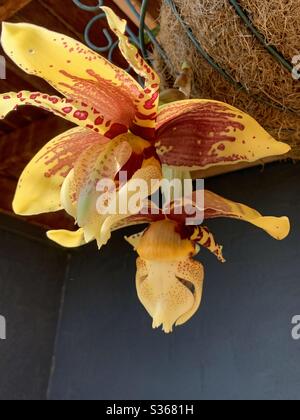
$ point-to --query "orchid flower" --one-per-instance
(169, 280)
(120, 127)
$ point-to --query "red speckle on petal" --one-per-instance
(195, 133)
(67, 109)
(208, 243)
(150, 103)
(34, 96)
(144, 117)
(60, 157)
(53, 100)
(81, 115)
(116, 130)
(99, 121)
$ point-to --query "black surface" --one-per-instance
(31, 280)
(238, 346)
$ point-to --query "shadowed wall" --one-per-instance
(32, 275)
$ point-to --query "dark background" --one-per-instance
(76, 329)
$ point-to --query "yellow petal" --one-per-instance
(150, 213)
(216, 206)
(77, 72)
(67, 195)
(39, 187)
(128, 153)
(162, 241)
(150, 173)
(134, 240)
(198, 134)
(170, 291)
(147, 108)
(94, 165)
(205, 238)
(83, 116)
(192, 272)
(66, 238)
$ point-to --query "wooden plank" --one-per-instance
(71, 20)
(150, 20)
(9, 7)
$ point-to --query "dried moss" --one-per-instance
(224, 36)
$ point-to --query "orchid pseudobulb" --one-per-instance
(121, 128)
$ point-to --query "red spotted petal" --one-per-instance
(71, 110)
(40, 184)
(95, 164)
(216, 206)
(78, 73)
(147, 104)
(198, 134)
(149, 214)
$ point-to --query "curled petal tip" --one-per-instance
(10, 34)
(280, 149)
(22, 205)
(284, 228)
(277, 227)
(6, 28)
(17, 208)
(288, 148)
(114, 21)
(158, 321)
(67, 239)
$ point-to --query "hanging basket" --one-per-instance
(244, 53)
